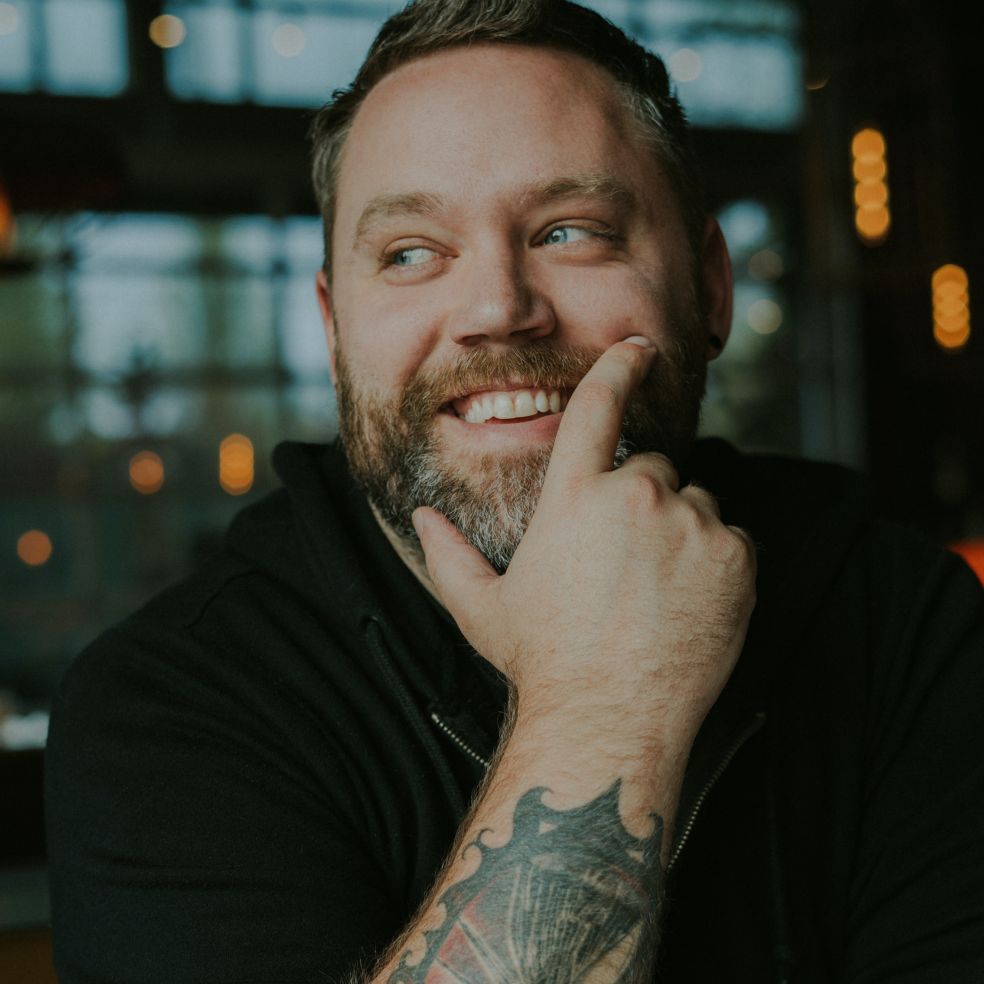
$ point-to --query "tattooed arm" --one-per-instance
(572, 896)
(618, 622)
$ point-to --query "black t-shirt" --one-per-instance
(257, 777)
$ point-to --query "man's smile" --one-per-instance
(509, 404)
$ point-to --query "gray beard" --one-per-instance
(493, 518)
(400, 462)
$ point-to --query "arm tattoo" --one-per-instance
(573, 898)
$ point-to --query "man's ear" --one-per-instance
(327, 316)
(718, 287)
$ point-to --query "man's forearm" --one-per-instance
(551, 880)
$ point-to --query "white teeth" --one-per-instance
(503, 407)
(506, 407)
(525, 407)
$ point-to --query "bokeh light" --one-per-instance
(872, 218)
(34, 548)
(765, 266)
(8, 225)
(951, 307)
(167, 31)
(685, 65)
(764, 316)
(236, 464)
(9, 18)
(288, 40)
(146, 472)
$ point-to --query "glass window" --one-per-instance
(130, 334)
(753, 387)
(68, 47)
(733, 64)
(16, 68)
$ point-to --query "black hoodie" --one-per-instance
(256, 777)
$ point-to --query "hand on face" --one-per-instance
(626, 596)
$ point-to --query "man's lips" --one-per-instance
(510, 404)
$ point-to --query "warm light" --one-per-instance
(236, 464)
(8, 225)
(288, 40)
(764, 316)
(765, 266)
(167, 31)
(973, 552)
(871, 217)
(817, 83)
(9, 18)
(951, 307)
(146, 472)
(685, 65)
(34, 548)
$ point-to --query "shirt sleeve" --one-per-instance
(916, 914)
(189, 842)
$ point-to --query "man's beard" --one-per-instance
(400, 461)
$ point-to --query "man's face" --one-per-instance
(499, 225)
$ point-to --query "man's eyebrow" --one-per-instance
(581, 185)
(387, 206)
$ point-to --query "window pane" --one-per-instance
(206, 65)
(86, 47)
(300, 60)
(15, 46)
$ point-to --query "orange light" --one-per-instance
(871, 217)
(8, 225)
(951, 307)
(146, 472)
(236, 464)
(34, 548)
(167, 31)
(973, 552)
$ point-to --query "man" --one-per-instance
(512, 587)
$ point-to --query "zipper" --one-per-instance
(470, 751)
(732, 751)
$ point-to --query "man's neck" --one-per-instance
(410, 552)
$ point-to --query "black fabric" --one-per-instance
(252, 780)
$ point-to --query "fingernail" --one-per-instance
(418, 521)
(639, 340)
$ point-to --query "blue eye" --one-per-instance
(412, 257)
(566, 234)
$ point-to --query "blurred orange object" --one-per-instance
(973, 552)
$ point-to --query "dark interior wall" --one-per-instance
(911, 68)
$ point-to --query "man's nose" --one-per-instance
(499, 304)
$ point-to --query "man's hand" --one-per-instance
(618, 622)
(626, 596)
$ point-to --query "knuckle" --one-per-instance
(738, 551)
(643, 491)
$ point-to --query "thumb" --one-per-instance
(460, 573)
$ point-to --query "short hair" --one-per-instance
(427, 26)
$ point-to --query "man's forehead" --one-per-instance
(493, 115)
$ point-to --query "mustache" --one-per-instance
(539, 363)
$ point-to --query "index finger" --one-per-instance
(588, 435)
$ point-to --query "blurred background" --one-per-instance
(158, 242)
